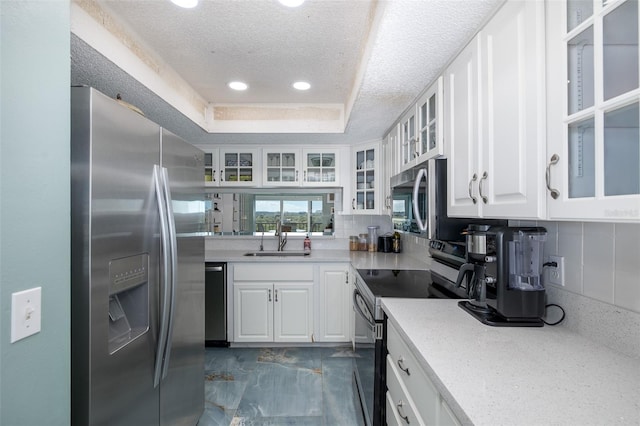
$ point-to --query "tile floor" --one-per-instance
(278, 386)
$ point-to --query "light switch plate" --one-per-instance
(25, 313)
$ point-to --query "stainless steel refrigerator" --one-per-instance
(137, 290)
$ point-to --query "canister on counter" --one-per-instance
(363, 242)
(354, 243)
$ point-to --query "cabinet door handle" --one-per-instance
(400, 411)
(276, 295)
(402, 367)
(297, 175)
(213, 175)
(304, 175)
(484, 176)
(552, 161)
(269, 295)
(473, 179)
(353, 204)
(346, 278)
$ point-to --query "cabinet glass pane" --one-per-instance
(288, 175)
(360, 160)
(329, 174)
(313, 175)
(622, 151)
(432, 107)
(620, 50)
(328, 160)
(581, 170)
(432, 135)
(208, 159)
(423, 115)
(313, 160)
(273, 160)
(246, 175)
(289, 159)
(577, 12)
(246, 160)
(370, 159)
(412, 127)
(273, 175)
(580, 68)
(426, 143)
(230, 159)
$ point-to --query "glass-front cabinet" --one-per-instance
(365, 193)
(408, 139)
(593, 170)
(211, 169)
(320, 167)
(430, 111)
(238, 167)
(281, 167)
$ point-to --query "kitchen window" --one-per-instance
(298, 214)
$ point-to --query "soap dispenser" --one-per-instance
(307, 244)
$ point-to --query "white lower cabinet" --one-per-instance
(273, 303)
(411, 394)
(335, 303)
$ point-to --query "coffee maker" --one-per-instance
(503, 275)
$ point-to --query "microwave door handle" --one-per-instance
(416, 210)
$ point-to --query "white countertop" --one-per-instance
(359, 259)
(517, 376)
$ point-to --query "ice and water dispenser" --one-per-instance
(128, 299)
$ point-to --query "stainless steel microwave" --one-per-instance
(419, 203)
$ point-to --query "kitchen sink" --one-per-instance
(277, 253)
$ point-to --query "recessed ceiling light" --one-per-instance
(238, 85)
(291, 3)
(187, 4)
(301, 85)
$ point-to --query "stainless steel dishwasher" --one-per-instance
(215, 304)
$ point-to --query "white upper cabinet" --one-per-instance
(408, 138)
(461, 128)
(211, 166)
(239, 167)
(320, 167)
(429, 132)
(494, 103)
(281, 166)
(421, 136)
(593, 138)
(367, 178)
(389, 169)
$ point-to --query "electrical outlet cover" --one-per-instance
(556, 275)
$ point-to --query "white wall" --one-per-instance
(34, 207)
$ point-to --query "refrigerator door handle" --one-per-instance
(164, 284)
(173, 250)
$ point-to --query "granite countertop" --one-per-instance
(517, 376)
(359, 259)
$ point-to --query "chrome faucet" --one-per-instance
(261, 228)
(281, 241)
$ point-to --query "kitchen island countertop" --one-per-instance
(517, 376)
(359, 259)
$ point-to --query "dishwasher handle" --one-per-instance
(214, 268)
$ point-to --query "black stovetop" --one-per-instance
(412, 283)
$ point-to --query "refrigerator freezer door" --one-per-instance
(115, 268)
(182, 391)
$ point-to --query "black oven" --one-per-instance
(369, 370)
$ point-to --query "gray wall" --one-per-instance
(34, 207)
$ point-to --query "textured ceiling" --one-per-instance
(381, 66)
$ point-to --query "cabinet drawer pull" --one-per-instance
(402, 367)
(269, 295)
(484, 176)
(276, 295)
(473, 179)
(399, 409)
(552, 161)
